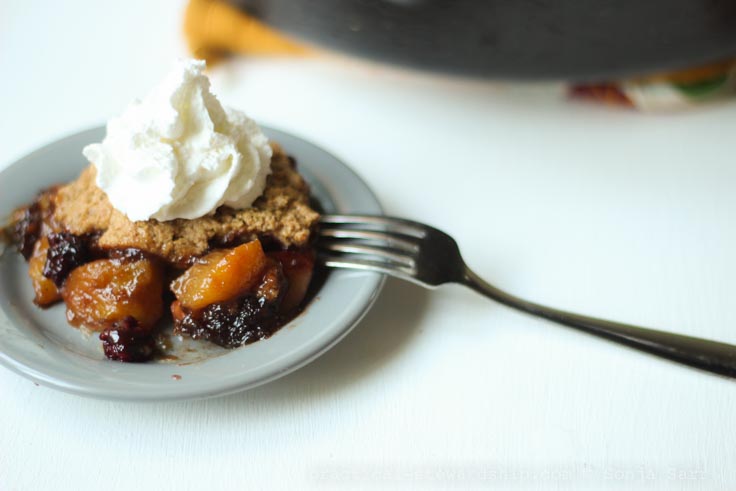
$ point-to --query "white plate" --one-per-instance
(42, 346)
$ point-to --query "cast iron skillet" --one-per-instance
(535, 39)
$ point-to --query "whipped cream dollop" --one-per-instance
(178, 153)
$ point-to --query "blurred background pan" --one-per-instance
(584, 40)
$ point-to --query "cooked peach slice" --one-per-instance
(45, 289)
(177, 312)
(109, 290)
(220, 276)
(272, 285)
(298, 267)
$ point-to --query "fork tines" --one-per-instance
(370, 242)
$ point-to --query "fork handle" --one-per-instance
(700, 353)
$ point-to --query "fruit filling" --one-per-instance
(231, 296)
(220, 275)
(65, 252)
(46, 292)
(103, 292)
(126, 340)
(230, 309)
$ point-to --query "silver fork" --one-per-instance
(429, 257)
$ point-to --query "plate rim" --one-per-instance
(62, 383)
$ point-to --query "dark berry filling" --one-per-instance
(243, 320)
(231, 324)
(127, 341)
(66, 252)
(27, 229)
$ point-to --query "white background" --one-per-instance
(607, 212)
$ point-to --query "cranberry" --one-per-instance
(27, 229)
(127, 341)
(232, 324)
(66, 252)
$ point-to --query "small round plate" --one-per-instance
(42, 346)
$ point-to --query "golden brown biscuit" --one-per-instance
(281, 213)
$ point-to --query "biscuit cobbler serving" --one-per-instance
(186, 210)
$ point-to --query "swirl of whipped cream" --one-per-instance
(179, 154)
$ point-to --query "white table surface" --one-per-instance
(607, 212)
